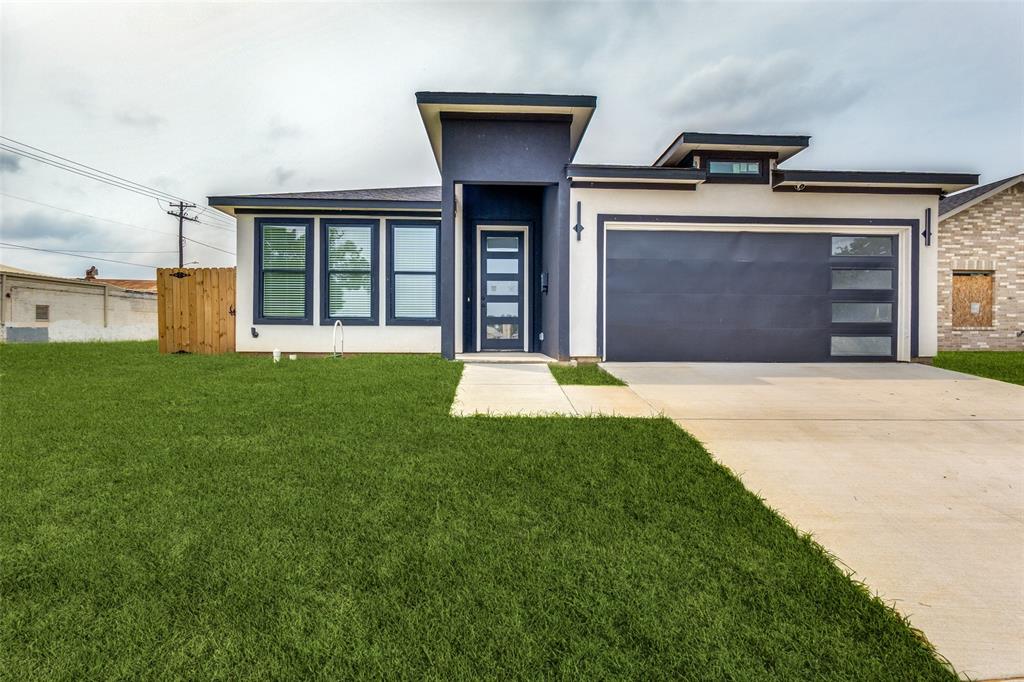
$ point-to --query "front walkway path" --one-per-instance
(499, 389)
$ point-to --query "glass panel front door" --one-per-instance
(501, 291)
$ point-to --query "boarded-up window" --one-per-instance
(972, 299)
(42, 313)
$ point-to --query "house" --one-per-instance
(148, 285)
(712, 252)
(40, 308)
(981, 267)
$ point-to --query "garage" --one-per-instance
(749, 296)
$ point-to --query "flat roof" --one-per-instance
(784, 146)
(942, 182)
(580, 109)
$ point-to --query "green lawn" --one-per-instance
(223, 517)
(1002, 365)
(588, 374)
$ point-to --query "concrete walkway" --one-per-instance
(523, 389)
(911, 475)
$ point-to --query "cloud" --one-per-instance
(283, 175)
(282, 131)
(9, 163)
(779, 93)
(142, 120)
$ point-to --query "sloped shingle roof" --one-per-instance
(957, 200)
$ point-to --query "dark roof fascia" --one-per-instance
(875, 177)
(741, 139)
(506, 99)
(736, 139)
(576, 170)
(232, 201)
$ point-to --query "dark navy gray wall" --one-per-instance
(551, 237)
(499, 151)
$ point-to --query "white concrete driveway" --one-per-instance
(912, 476)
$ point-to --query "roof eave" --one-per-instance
(432, 104)
(940, 182)
(587, 172)
(784, 146)
(1001, 187)
(234, 202)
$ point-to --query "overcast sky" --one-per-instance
(204, 99)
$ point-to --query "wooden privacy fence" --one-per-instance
(196, 309)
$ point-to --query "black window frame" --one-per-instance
(258, 271)
(759, 178)
(325, 272)
(392, 320)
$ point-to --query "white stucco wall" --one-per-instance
(315, 338)
(747, 201)
(76, 310)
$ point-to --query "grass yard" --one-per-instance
(587, 374)
(1001, 365)
(223, 517)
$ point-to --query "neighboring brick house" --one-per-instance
(981, 267)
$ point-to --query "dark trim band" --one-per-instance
(249, 202)
(589, 184)
(354, 212)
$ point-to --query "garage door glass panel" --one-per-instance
(861, 246)
(852, 346)
(862, 279)
(866, 313)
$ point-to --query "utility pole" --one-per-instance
(182, 217)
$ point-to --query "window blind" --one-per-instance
(414, 267)
(350, 260)
(284, 271)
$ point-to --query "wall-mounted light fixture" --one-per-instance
(927, 233)
(579, 225)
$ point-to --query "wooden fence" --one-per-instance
(196, 309)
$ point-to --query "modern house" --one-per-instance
(981, 267)
(712, 252)
(36, 308)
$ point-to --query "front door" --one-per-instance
(502, 295)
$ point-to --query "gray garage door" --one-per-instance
(749, 296)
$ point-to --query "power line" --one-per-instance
(130, 252)
(182, 217)
(75, 255)
(116, 222)
(91, 172)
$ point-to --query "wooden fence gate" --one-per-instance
(196, 308)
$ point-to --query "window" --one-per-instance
(862, 313)
(412, 262)
(972, 299)
(284, 284)
(862, 346)
(42, 313)
(738, 167)
(349, 266)
(862, 246)
(862, 279)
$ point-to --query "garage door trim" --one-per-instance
(906, 229)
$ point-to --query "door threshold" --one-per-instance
(504, 357)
